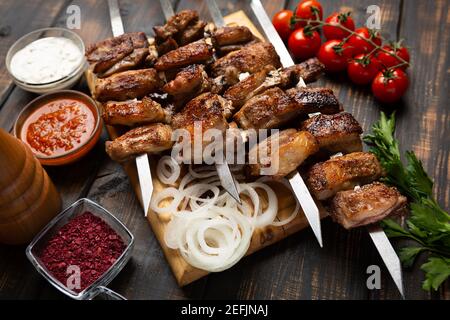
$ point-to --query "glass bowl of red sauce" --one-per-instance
(82, 250)
(59, 127)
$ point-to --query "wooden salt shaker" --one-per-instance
(28, 198)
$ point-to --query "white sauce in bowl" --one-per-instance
(46, 60)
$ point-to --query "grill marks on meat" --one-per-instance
(251, 59)
(181, 29)
(134, 59)
(268, 77)
(335, 133)
(311, 100)
(196, 52)
(152, 138)
(283, 151)
(127, 85)
(105, 54)
(134, 112)
(325, 179)
(268, 110)
(366, 205)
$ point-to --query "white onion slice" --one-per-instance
(168, 170)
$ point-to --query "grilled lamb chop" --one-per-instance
(134, 112)
(366, 205)
(152, 138)
(325, 179)
(268, 77)
(105, 54)
(127, 85)
(195, 52)
(292, 149)
(311, 100)
(338, 132)
(249, 59)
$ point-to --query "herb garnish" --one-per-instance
(428, 225)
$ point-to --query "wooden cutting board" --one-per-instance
(183, 272)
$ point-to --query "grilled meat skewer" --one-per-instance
(195, 52)
(134, 112)
(366, 205)
(292, 148)
(127, 85)
(325, 179)
(338, 132)
(152, 138)
(268, 77)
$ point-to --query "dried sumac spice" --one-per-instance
(86, 242)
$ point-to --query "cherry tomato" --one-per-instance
(332, 32)
(282, 21)
(363, 69)
(390, 85)
(362, 46)
(304, 44)
(308, 9)
(334, 55)
(388, 60)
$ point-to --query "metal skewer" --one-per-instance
(376, 233)
(298, 185)
(142, 162)
(223, 170)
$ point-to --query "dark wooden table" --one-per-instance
(294, 268)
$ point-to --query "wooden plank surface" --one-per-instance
(296, 267)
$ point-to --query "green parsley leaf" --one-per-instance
(437, 269)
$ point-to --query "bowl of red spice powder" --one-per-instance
(81, 250)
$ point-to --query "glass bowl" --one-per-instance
(65, 82)
(99, 286)
(76, 153)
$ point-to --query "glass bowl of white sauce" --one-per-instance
(46, 60)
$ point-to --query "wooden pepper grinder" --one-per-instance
(28, 198)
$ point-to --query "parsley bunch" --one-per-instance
(428, 225)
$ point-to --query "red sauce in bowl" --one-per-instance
(58, 127)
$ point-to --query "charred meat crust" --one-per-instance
(366, 205)
(127, 85)
(152, 138)
(311, 100)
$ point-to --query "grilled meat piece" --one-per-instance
(311, 100)
(268, 77)
(127, 85)
(338, 132)
(270, 109)
(325, 179)
(187, 80)
(247, 88)
(134, 112)
(310, 70)
(175, 24)
(210, 109)
(195, 52)
(104, 54)
(366, 205)
(166, 46)
(133, 60)
(223, 50)
(250, 59)
(193, 32)
(231, 35)
(282, 153)
(152, 138)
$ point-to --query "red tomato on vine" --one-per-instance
(334, 31)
